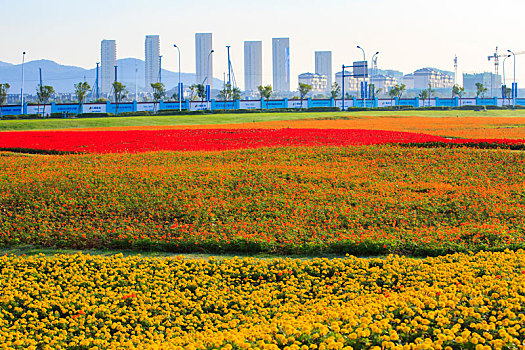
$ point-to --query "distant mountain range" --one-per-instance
(62, 78)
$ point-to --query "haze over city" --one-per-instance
(408, 34)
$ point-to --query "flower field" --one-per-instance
(133, 141)
(362, 200)
(460, 301)
(307, 191)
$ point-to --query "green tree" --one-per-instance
(3, 96)
(393, 92)
(423, 95)
(430, 92)
(120, 92)
(81, 90)
(175, 96)
(480, 91)
(201, 91)
(266, 93)
(304, 89)
(336, 91)
(458, 91)
(43, 94)
(507, 93)
(236, 93)
(159, 92)
(193, 91)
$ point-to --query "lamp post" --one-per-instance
(208, 91)
(374, 60)
(504, 81)
(178, 86)
(208, 67)
(22, 87)
(363, 91)
(514, 86)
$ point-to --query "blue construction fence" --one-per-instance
(134, 106)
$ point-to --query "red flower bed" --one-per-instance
(210, 139)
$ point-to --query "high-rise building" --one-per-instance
(323, 66)
(252, 65)
(281, 64)
(203, 59)
(152, 50)
(489, 80)
(108, 61)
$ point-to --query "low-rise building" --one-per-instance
(383, 82)
(408, 80)
(435, 78)
(352, 84)
(318, 82)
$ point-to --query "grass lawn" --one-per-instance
(51, 124)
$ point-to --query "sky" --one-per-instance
(409, 34)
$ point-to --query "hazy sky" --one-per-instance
(409, 34)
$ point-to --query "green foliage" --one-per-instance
(81, 90)
(3, 95)
(159, 91)
(336, 91)
(120, 92)
(481, 90)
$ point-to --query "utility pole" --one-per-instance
(160, 69)
(229, 66)
(363, 90)
(96, 83)
(22, 88)
(136, 82)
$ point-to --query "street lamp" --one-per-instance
(514, 86)
(208, 92)
(178, 86)
(208, 67)
(374, 60)
(504, 81)
(363, 90)
(22, 88)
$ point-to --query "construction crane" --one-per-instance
(496, 58)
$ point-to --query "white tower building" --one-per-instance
(152, 50)
(108, 61)
(252, 65)
(323, 66)
(281, 64)
(203, 59)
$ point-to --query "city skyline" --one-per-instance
(415, 37)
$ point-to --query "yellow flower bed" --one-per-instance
(460, 301)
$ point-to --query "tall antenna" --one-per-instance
(455, 69)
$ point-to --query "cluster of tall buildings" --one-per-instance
(253, 62)
(108, 62)
(320, 81)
